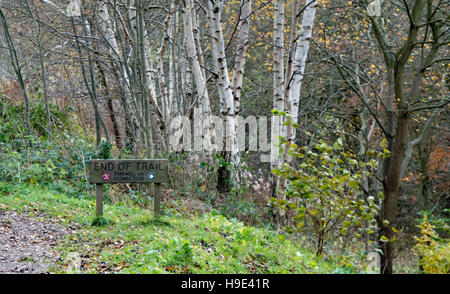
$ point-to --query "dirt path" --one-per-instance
(26, 243)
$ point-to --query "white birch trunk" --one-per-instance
(278, 81)
(225, 87)
(294, 77)
(108, 31)
(173, 105)
(243, 42)
(299, 65)
(163, 85)
(199, 79)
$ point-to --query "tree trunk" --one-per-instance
(294, 81)
(109, 104)
(207, 133)
(278, 97)
(391, 191)
(17, 69)
(89, 86)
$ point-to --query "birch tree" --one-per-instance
(294, 80)
(294, 76)
(278, 82)
(229, 91)
(288, 81)
(202, 99)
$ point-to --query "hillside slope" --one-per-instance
(133, 242)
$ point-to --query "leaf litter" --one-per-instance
(27, 242)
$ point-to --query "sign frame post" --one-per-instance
(99, 200)
(157, 200)
(114, 171)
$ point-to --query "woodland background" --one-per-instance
(358, 91)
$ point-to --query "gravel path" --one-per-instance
(26, 243)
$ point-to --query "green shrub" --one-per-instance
(434, 252)
(7, 189)
(183, 252)
(12, 124)
(99, 221)
(323, 192)
(35, 160)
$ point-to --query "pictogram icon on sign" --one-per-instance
(106, 176)
(151, 176)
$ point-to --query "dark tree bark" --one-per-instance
(398, 106)
(17, 69)
(109, 104)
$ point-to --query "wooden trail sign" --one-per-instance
(112, 171)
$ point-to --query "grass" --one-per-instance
(132, 241)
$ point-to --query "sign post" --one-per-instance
(112, 171)
(157, 199)
(99, 199)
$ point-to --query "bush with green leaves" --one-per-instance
(183, 253)
(36, 160)
(323, 192)
(12, 124)
(440, 222)
(434, 251)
